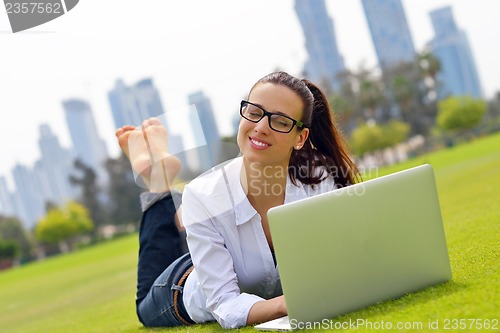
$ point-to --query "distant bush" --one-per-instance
(460, 113)
(8, 250)
(62, 225)
(368, 138)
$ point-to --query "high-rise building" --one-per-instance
(89, 147)
(6, 203)
(207, 137)
(389, 31)
(18, 207)
(31, 202)
(131, 105)
(450, 45)
(324, 59)
(54, 168)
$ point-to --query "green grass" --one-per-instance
(93, 290)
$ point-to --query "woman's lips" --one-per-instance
(258, 144)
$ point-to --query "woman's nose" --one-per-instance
(262, 126)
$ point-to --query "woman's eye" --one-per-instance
(281, 123)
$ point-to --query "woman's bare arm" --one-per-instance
(267, 310)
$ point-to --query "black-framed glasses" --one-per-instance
(277, 122)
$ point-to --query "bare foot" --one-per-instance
(133, 144)
(147, 152)
(165, 166)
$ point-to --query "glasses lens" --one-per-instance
(251, 112)
(280, 123)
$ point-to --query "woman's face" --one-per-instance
(257, 141)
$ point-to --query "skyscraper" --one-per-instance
(6, 201)
(324, 60)
(89, 147)
(131, 105)
(389, 31)
(54, 168)
(31, 202)
(208, 137)
(450, 45)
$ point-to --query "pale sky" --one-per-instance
(219, 46)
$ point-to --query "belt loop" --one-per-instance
(178, 289)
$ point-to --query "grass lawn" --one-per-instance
(93, 290)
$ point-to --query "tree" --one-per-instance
(459, 114)
(12, 229)
(494, 107)
(63, 225)
(430, 66)
(8, 250)
(345, 102)
(404, 85)
(123, 192)
(371, 95)
(411, 88)
(91, 193)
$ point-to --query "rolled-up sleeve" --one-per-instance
(214, 266)
(234, 313)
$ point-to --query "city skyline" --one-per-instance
(49, 179)
(33, 90)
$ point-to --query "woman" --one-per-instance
(290, 150)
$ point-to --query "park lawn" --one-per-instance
(92, 290)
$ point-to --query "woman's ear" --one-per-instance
(304, 134)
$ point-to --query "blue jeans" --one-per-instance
(163, 259)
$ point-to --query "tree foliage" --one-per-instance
(460, 113)
(91, 193)
(8, 249)
(371, 137)
(407, 90)
(371, 95)
(64, 224)
(357, 99)
(11, 229)
(494, 106)
(429, 65)
(123, 192)
(413, 90)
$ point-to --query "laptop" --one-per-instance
(356, 246)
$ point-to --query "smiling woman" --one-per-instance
(291, 149)
(261, 141)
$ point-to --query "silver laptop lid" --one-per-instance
(350, 248)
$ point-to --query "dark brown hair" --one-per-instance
(325, 147)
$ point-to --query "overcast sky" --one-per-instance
(219, 46)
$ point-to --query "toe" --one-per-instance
(119, 132)
(151, 122)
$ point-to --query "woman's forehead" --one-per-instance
(276, 98)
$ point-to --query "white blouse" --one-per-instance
(234, 267)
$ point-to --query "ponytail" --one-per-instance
(324, 148)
